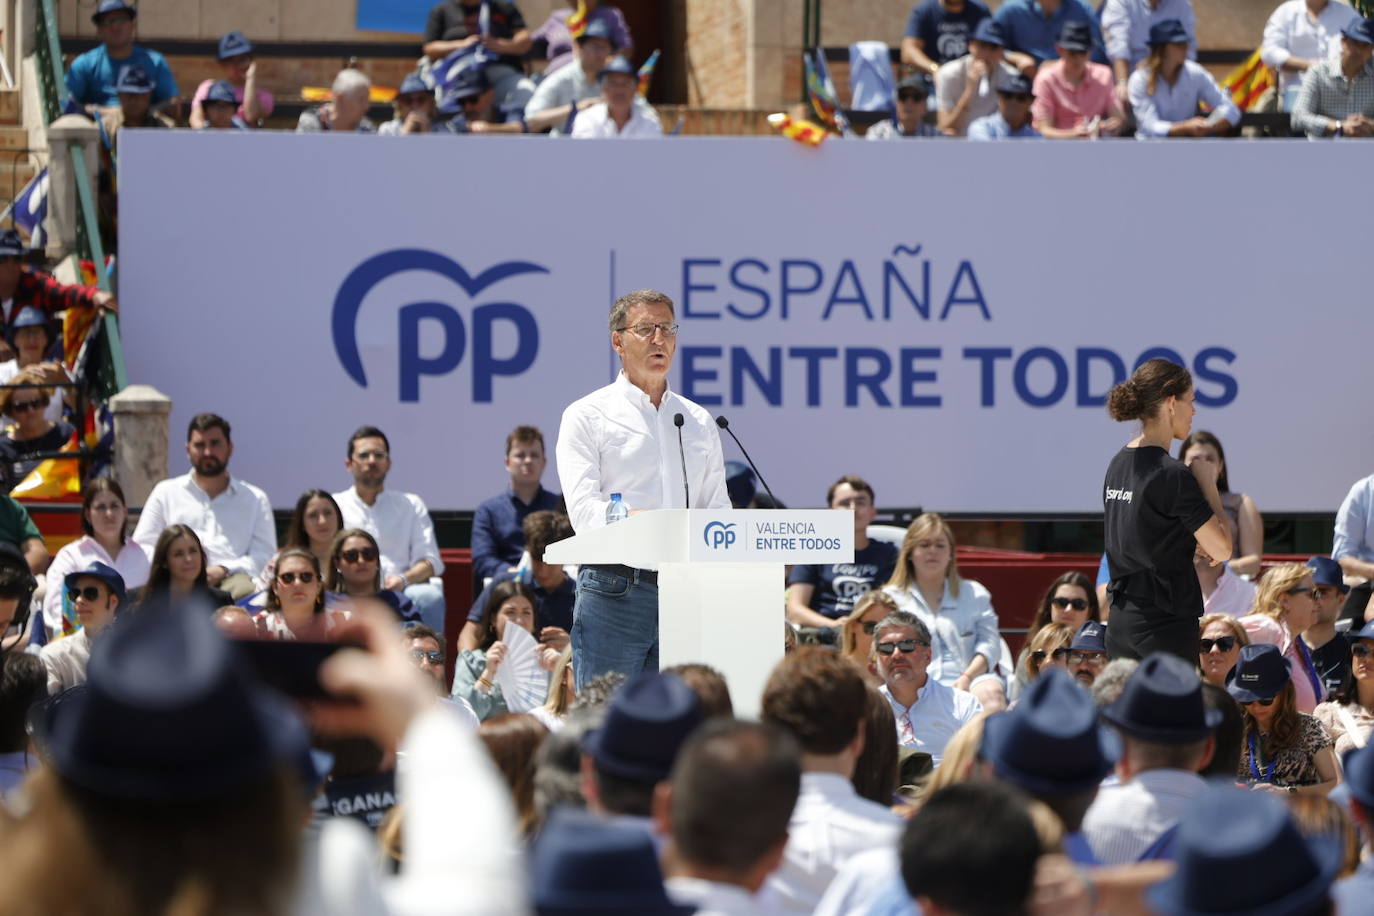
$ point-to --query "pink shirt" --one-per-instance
(1262, 628)
(265, 100)
(1066, 106)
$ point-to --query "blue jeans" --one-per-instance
(615, 625)
(429, 601)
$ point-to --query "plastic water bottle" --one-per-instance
(617, 509)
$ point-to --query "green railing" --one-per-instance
(109, 375)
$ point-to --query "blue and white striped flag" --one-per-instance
(30, 210)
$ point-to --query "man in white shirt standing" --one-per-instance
(232, 518)
(622, 439)
(621, 115)
(399, 521)
(927, 712)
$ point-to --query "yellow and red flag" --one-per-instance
(802, 131)
(1248, 82)
(577, 22)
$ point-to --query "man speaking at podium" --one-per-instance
(624, 439)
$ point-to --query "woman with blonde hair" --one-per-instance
(965, 645)
(1284, 607)
(856, 631)
(1049, 649)
(1221, 637)
(960, 756)
(562, 691)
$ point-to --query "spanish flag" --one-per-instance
(577, 22)
(802, 131)
(1248, 82)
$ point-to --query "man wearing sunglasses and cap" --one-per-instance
(908, 113)
(621, 115)
(95, 594)
(91, 77)
(1013, 118)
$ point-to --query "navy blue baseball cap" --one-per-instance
(102, 571)
(1075, 36)
(1167, 31)
(597, 28)
(616, 65)
(112, 6)
(233, 44)
(413, 83)
(1260, 673)
(1014, 84)
(1326, 571)
(914, 82)
(133, 80)
(222, 91)
(470, 81)
(29, 316)
(1091, 637)
(988, 32)
(1360, 30)
(11, 246)
(1365, 632)
(1162, 703)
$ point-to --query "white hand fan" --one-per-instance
(524, 684)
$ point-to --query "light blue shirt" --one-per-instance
(1355, 523)
(1026, 28)
(1156, 114)
(938, 713)
(1352, 895)
(1126, 26)
(91, 77)
(995, 127)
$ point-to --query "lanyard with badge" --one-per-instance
(1254, 755)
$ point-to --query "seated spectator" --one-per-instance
(1031, 27)
(295, 601)
(33, 337)
(346, 111)
(455, 25)
(426, 650)
(1168, 88)
(33, 435)
(399, 521)
(22, 286)
(1299, 35)
(1071, 601)
(582, 863)
(1337, 94)
(474, 673)
(821, 700)
(1012, 121)
(95, 594)
(91, 77)
(1350, 717)
(251, 104)
(233, 622)
(1166, 738)
(557, 40)
(1219, 647)
(965, 644)
(937, 32)
(966, 87)
(1352, 546)
(355, 571)
(1126, 28)
(927, 712)
(562, 693)
(471, 99)
(417, 112)
(23, 685)
(1284, 750)
(1110, 684)
(511, 740)
(135, 108)
(218, 108)
(619, 115)
(1330, 649)
(1074, 98)
(232, 518)
(176, 573)
(17, 598)
(1088, 652)
(313, 526)
(718, 859)
(18, 531)
(576, 85)
(909, 114)
(1223, 592)
(1049, 649)
(822, 596)
(498, 537)
(856, 631)
(1242, 516)
(105, 527)
(1284, 609)
(554, 590)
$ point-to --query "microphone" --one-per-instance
(686, 494)
(725, 425)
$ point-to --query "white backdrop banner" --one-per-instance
(943, 319)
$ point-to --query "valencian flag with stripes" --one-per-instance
(1248, 82)
(577, 22)
(802, 131)
(646, 73)
(821, 93)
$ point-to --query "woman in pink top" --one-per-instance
(235, 57)
(1284, 607)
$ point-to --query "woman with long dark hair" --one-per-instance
(1157, 513)
(1242, 515)
(355, 571)
(1070, 600)
(1283, 750)
(177, 572)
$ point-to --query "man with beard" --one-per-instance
(1088, 652)
(928, 713)
(232, 518)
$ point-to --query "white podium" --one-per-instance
(720, 580)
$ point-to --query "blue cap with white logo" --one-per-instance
(234, 44)
(222, 91)
(133, 80)
(112, 6)
(616, 65)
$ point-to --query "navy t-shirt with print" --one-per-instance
(944, 35)
(838, 585)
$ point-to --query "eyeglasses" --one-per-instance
(1058, 655)
(906, 645)
(304, 578)
(1091, 659)
(1359, 651)
(646, 331)
(358, 555)
(421, 656)
(1222, 643)
(1078, 604)
(90, 593)
(25, 406)
(1299, 590)
(1267, 701)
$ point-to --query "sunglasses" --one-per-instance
(25, 406)
(304, 578)
(1299, 590)
(1058, 655)
(1016, 96)
(910, 97)
(90, 593)
(1359, 651)
(1222, 643)
(1078, 604)
(1091, 659)
(358, 555)
(421, 656)
(906, 645)
(1267, 701)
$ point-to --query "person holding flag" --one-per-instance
(493, 33)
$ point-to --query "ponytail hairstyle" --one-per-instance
(1140, 396)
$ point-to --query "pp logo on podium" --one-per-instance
(719, 535)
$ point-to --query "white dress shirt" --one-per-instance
(235, 528)
(400, 522)
(1290, 32)
(960, 628)
(65, 661)
(1156, 114)
(712, 898)
(615, 441)
(131, 564)
(1233, 596)
(929, 723)
(1126, 26)
(595, 122)
(830, 825)
(870, 883)
(1126, 818)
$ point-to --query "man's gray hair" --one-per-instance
(901, 620)
(621, 306)
(351, 82)
(1107, 686)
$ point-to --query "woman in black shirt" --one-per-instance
(1157, 513)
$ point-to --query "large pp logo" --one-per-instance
(719, 535)
(445, 320)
